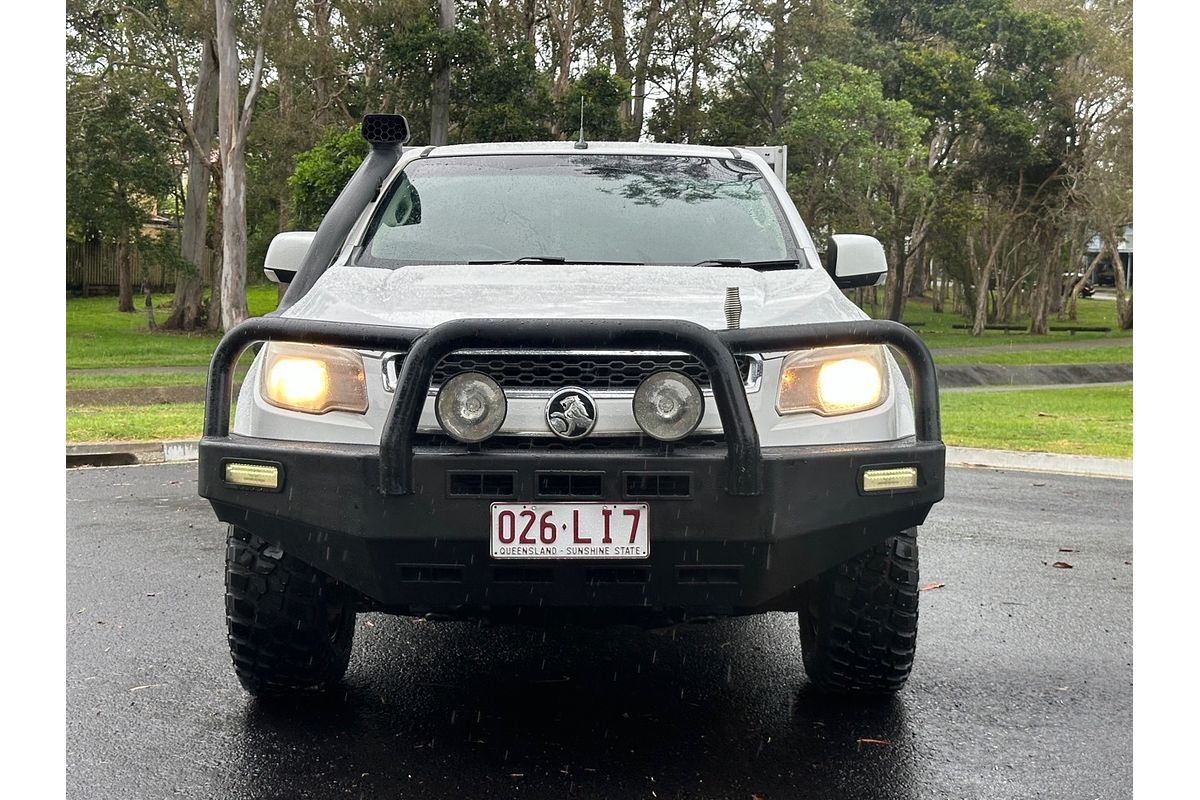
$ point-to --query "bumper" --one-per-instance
(731, 531)
(711, 553)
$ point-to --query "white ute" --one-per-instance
(541, 382)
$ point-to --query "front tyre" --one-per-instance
(291, 626)
(858, 621)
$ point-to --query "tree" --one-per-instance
(321, 173)
(118, 165)
(439, 117)
(186, 310)
(602, 95)
(233, 126)
(854, 151)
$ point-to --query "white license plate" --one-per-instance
(570, 530)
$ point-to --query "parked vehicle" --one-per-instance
(556, 382)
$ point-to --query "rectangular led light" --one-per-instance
(260, 476)
(889, 479)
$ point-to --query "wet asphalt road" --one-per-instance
(1022, 688)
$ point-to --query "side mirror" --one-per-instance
(286, 254)
(855, 261)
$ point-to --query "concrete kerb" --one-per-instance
(111, 454)
(125, 453)
(1088, 466)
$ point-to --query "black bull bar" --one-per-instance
(714, 349)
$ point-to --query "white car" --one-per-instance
(545, 382)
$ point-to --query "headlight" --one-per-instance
(668, 406)
(313, 379)
(471, 407)
(833, 380)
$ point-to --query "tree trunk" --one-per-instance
(148, 301)
(620, 47)
(1043, 293)
(529, 23)
(233, 268)
(233, 125)
(1124, 301)
(641, 69)
(124, 276)
(895, 285)
(214, 280)
(982, 278)
(439, 103)
(189, 283)
(1073, 302)
(779, 71)
(915, 281)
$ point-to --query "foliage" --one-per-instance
(851, 148)
(321, 173)
(602, 94)
(983, 141)
(118, 158)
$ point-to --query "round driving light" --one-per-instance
(668, 406)
(470, 407)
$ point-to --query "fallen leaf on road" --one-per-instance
(930, 586)
(873, 741)
(1039, 484)
(1066, 549)
(1062, 565)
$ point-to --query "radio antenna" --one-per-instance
(581, 144)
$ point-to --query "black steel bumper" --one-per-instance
(732, 532)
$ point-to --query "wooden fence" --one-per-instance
(92, 267)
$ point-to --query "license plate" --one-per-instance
(570, 530)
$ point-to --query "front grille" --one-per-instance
(593, 371)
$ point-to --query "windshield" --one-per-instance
(579, 208)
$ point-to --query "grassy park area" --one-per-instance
(99, 336)
(1084, 420)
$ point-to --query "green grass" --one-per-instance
(150, 380)
(1121, 354)
(134, 423)
(938, 331)
(100, 336)
(1094, 421)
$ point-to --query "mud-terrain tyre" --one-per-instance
(858, 621)
(291, 626)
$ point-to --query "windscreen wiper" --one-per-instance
(561, 260)
(525, 260)
(780, 263)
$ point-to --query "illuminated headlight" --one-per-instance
(668, 406)
(471, 407)
(313, 379)
(833, 380)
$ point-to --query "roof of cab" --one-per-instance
(622, 148)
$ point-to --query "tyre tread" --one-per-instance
(858, 621)
(277, 609)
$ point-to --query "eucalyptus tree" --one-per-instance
(234, 114)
